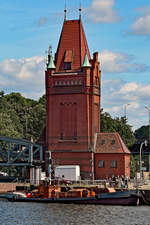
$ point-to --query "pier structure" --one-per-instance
(21, 153)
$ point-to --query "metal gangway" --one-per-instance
(20, 152)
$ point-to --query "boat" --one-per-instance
(54, 194)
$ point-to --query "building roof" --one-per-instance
(110, 143)
(72, 46)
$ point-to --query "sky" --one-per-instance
(119, 30)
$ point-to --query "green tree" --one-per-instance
(142, 133)
(21, 117)
(108, 124)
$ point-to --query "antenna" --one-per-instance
(46, 59)
(50, 50)
(80, 10)
(65, 11)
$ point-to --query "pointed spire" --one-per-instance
(65, 12)
(86, 61)
(50, 64)
(80, 10)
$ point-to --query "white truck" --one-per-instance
(68, 172)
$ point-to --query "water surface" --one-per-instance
(15, 213)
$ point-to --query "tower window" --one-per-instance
(68, 66)
(68, 59)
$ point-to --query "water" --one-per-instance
(14, 213)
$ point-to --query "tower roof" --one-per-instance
(72, 47)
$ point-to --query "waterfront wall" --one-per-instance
(4, 187)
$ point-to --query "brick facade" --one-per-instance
(73, 107)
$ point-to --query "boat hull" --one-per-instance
(104, 199)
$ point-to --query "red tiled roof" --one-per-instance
(110, 143)
(72, 39)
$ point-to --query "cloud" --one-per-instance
(116, 94)
(42, 21)
(115, 62)
(25, 75)
(101, 11)
(141, 26)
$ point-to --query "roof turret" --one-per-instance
(86, 61)
(50, 64)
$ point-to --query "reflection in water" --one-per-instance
(13, 213)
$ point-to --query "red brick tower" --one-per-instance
(73, 100)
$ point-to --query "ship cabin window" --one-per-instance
(113, 142)
(101, 164)
(59, 83)
(71, 82)
(113, 163)
(102, 142)
(76, 82)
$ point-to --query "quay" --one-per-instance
(26, 185)
(13, 186)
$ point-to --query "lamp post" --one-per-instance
(125, 110)
(149, 121)
(143, 143)
(148, 134)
